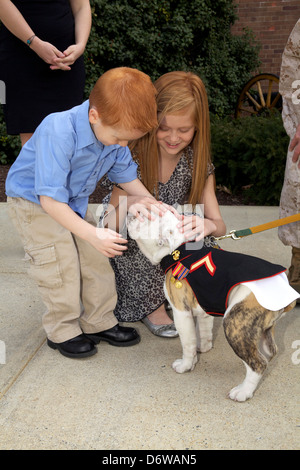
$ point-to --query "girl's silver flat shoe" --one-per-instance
(165, 331)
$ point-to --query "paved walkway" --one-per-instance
(130, 398)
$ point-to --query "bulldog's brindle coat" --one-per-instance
(248, 326)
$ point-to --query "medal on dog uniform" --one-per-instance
(179, 272)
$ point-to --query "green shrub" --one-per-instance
(250, 155)
(158, 36)
(10, 145)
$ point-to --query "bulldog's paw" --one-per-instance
(183, 365)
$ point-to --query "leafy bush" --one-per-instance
(250, 155)
(158, 36)
(10, 145)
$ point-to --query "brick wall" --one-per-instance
(272, 23)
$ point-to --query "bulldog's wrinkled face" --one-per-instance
(156, 238)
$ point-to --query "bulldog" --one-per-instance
(204, 281)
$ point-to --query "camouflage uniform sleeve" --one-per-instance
(289, 88)
(289, 85)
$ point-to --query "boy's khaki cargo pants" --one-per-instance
(76, 282)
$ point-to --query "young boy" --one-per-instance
(48, 188)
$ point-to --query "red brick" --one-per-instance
(272, 22)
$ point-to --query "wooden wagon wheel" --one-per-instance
(260, 95)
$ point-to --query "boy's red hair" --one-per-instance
(125, 97)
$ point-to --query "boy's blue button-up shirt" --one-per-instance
(64, 160)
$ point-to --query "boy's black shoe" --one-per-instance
(76, 348)
(117, 336)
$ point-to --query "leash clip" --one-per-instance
(231, 234)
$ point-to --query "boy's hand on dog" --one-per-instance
(147, 206)
(142, 206)
(109, 242)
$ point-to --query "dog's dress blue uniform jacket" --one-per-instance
(212, 273)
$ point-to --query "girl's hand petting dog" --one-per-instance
(196, 228)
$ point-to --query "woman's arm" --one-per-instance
(83, 20)
(18, 26)
(14, 21)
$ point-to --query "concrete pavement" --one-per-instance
(130, 398)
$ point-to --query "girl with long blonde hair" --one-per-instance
(174, 163)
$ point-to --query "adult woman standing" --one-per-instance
(41, 63)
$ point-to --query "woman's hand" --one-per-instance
(49, 54)
(70, 55)
(56, 59)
